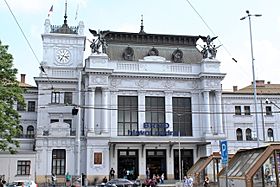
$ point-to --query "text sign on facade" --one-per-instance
(224, 151)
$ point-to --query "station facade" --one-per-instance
(144, 101)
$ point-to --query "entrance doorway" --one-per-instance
(156, 162)
(186, 161)
(128, 164)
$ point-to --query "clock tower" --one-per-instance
(63, 46)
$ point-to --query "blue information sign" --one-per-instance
(224, 151)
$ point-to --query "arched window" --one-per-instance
(30, 131)
(270, 134)
(248, 134)
(239, 136)
(21, 131)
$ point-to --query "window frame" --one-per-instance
(58, 161)
(127, 115)
(155, 113)
(237, 110)
(268, 110)
(23, 167)
(239, 134)
(68, 98)
(55, 97)
(31, 106)
(182, 106)
(248, 134)
(247, 110)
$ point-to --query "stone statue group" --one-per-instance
(98, 44)
(209, 50)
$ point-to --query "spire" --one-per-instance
(142, 26)
(65, 16)
(65, 29)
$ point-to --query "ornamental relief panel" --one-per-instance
(115, 83)
(142, 83)
(99, 80)
(212, 83)
(194, 84)
(168, 84)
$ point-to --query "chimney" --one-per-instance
(22, 78)
(260, 83)
(235, 88)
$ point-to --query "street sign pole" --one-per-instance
(224, 157)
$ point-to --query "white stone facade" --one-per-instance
(90, 142)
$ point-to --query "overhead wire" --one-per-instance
(211, 30)
(26, 39)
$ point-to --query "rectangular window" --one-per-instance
(182, 116)
(20, 107)
(127, 115)
(237, 110)
(268, 110)
(68, 98)
(155, 114)
(54, 120)
(69, 121)
(59, 161)
(23, 167)
(97, 158)
(247, 110)
(55, 97)
(31, 106)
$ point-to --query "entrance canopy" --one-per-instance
(203, 167)
(253, 167)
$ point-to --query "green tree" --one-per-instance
(10, 94)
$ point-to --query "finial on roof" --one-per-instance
(142, 26)
(65, 16)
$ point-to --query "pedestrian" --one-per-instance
(112, 173)
(68, 179)
(53, 179)
(148, 173)
(188, 182)
(206, 181)
(162, 178)
(124, 173)
(104, 180)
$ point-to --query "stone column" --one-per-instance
(105, 111)
(218, 98)
(206, 111)
(91, 97)
(141, 109)
(168, 109)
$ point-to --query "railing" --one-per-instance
(29, 136)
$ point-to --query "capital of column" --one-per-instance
(91, 89)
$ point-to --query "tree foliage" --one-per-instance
(10, 94)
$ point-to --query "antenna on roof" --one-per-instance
(65, 16)
(142, 26)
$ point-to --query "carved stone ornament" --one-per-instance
(153, 52)
(177, 56)
(128, 53)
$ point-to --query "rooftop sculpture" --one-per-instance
(98, 44)
(209, 50)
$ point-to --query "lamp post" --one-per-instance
(179, 145)
(253, 70)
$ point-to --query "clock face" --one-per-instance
(63, 56)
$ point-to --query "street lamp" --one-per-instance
(179, 144)
(253, 70)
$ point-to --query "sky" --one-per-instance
(183, 17)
